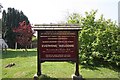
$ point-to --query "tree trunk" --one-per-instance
(16, 45)
(26, 49)
(31, 45)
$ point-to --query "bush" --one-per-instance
(99, 38)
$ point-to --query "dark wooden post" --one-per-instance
(77, 53)
(38, 56)
(77, 67)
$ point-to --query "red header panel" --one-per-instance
(58, 45)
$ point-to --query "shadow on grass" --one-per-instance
(13, 54)
(86, 66)
(42, 77)
(101, 79)
(45, 77)
(49, 78)
(101, 64)
(89, 67)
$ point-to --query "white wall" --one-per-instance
(0, 28)
(119, 13)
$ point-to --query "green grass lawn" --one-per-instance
(26, 66)
(0, 64)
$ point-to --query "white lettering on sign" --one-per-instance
(49, 45)
(66, 45)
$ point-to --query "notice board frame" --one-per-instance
(57, 27)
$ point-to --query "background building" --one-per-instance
(119, 13)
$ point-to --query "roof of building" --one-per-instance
(56, 27)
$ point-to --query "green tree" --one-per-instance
(99, 38)
(4, 28)
(10, 20)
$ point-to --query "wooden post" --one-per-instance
(16, 45)
(77, 75)
(77, 68)
(77, 53)
(38, 57)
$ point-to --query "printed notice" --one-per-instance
(57, 45)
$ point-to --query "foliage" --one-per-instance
(24, 34)
(99, 39)
(11, 19)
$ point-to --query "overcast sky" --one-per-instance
(55, 11)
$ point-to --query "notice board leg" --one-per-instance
(38, 65)
(77, 75)
(39, 69)
(77, 61)
(38, 58)
(77, 69)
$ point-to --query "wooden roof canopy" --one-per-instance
(56, 27)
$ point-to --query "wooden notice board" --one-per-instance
(57, 42)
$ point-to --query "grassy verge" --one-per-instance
(25, 67)
(0, 64)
